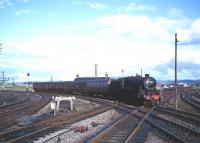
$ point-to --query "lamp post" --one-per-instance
(176, 41)
(28, 74)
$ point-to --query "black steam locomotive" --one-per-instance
(130, 90)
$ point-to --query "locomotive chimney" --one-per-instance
(146, 75)
(77, 75)
(106, 75)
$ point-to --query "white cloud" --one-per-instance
(19, 75)
(8, 3)
(138, 26)
(25, 11)
(25, 0)
(5, 3)
(138, 7)
(113, 42)
(106, 41)
(175, 12)
(93, 5)
(78, 2)
(97, 6)
(190, 35)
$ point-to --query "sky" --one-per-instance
(62, 38)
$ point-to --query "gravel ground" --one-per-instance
(79, 105)
(66, 136)
(7, 98)
(45, 112)
(182, 105)
(153, 138)
(34, 97)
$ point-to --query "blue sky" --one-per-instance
(63, 38)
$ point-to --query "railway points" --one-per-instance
(27, 117)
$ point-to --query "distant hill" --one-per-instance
(184, 81)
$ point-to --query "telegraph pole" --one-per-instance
(3, 79)
(2, 73)
(122, 73)
(176, 41)
(28, 74)
(95, 68)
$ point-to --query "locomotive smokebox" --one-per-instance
(146, 75)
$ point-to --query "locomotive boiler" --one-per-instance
(129, 90)
(134, 89)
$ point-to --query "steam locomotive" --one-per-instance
(134, 90)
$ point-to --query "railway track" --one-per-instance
(10, 114)
(125, 109)
(8, 99)
(176, 125)
(197, 94)
(133, 127)
(94, 100)
(35, 130)
(123, 130)
(166, 99)
(12, 104)
(173, 130)
(68, 121)
(187, 117)
(188, 98)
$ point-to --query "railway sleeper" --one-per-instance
(181, 115)
(176, 129)
(172, 136)
(191, 115)
(191, 130)
(187, 100)
(142, 134)
(183, 118)
(179, 134)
